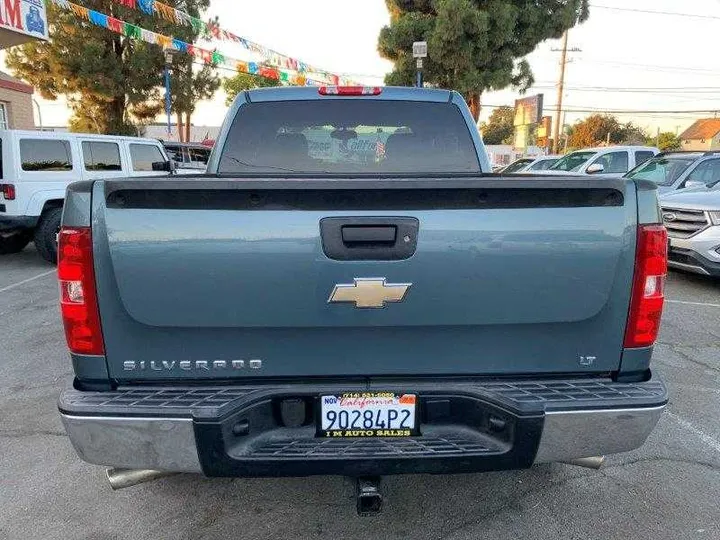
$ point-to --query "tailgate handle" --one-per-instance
(369, 234)
(368, 238)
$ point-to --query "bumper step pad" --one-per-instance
(216, 401)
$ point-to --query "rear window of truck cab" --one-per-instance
(348, 136)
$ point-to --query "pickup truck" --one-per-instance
(348, 291)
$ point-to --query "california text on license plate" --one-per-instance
(368, 414)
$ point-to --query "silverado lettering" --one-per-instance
(189, 365)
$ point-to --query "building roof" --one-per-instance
(11, 83)
(705, 128)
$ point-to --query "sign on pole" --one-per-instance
(419, 52)
(528, 114)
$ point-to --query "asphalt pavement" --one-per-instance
(668, 489)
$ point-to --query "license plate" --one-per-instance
(368, 414)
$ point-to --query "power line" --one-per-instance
(587, 109)
(653, 12)
(663, 92)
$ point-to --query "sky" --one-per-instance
(629, 59)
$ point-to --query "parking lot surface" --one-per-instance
(669, 488)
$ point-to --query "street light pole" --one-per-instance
(35, 101)
(168, 104)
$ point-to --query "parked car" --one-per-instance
(607, 160)
(386, 309)
(673, 171)
(692, 220)
(517, 165)
(37, 166)
(189, 158)
(531, 164)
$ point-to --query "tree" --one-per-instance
(190, 84)
(500, 127)
(666, 141)
(245, 81)
(113, 83)
(473, 45)
(598, 129)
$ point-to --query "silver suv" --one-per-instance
(692, 220)
(680, 170)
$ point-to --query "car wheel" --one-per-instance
(46, 234)
(14, 243)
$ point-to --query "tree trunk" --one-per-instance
(473, 101)
(180, 126)
(187, 126)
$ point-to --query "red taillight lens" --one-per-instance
(349, 90)
(648, 292)
(78, 301)
(8, 191)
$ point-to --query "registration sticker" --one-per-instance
(368, 414)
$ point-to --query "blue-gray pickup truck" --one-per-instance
(349, 291)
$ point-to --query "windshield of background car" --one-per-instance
(516, 166)
(543, 164)
(572, 162)
(349, 136)
(662, 171)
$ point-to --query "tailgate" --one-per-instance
(199, 277)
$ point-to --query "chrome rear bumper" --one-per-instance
(577, 434)
(169, 444)
(543, 421)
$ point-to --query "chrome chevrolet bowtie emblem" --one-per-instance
(369, 292)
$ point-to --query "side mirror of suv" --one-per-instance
(167, 166)
(694, 184)
(595, 168)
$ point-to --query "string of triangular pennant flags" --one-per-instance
(118, 26)
(211, 30)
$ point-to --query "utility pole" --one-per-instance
(561, 87)
(559, 117)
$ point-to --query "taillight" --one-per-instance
(78, 300)
(349, 90)
(8, 191)
(648, 292)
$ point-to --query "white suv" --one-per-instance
(692, 220)
(37, 166)
(606, 160)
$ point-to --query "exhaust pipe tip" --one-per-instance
(369, 498)
(594, 462)
(123, 478)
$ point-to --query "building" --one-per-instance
(704, 134)
(501, 155)
(197, 133)
(16, 106)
